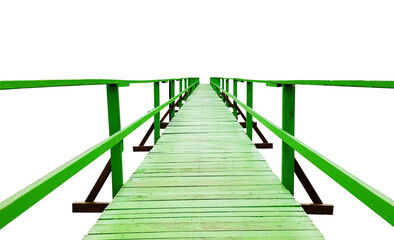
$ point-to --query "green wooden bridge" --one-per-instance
(204, 177)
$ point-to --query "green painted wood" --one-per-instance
(180, 90)
(156, 119)
(274, 235)
(288, 109)
(114, 126)
(204, 179)
(18, 203)
(171, 87)
(371, 197)
(249, 103)
(339, 83)
(19, 84)
(235, 93)
(227, 89)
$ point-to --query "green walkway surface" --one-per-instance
(204, 179)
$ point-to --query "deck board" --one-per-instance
(204, 179)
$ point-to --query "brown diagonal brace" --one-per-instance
(89, 205)
(99, 183)
(255, 127)
(306, 183)
(141, 147)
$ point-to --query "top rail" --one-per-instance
(20, 84)
(340, 83)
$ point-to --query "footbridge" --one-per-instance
(203, 177)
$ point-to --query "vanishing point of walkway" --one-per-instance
(204, 179)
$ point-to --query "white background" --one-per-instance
(40, 129)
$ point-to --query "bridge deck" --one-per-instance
(204, 179)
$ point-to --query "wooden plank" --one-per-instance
(204, 179)
(275, 235)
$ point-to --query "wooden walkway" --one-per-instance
(204, 179)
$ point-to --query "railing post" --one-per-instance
(223, 98)
(114, 126)
(249, 103)
(180, 90)
(235, 93)
(185, 84)
(156, 102)
(227, 89)
(171, 89)
(288, 108)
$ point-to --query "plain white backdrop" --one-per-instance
(40, 129)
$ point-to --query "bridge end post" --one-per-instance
(288, 108)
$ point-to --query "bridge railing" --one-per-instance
(30, 195)
(375, 200)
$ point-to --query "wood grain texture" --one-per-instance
(204, 179)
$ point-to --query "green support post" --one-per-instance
(235, 93)
(288, 108)
(114, 126)
(223, 88)
(186, 85)
(171, 86)
(227, 89)
(180, 90)
(249, 103)
(156, 124)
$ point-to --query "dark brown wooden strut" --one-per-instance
(265, 143)
(141, 147)
(90, 205)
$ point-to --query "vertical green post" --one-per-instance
(223, 88)
(171, 86)
(288, 107)
(249, 103)
(114, 126)
(227, 89)
(186, 93)
(180, 90)
(156, 102)
(235, 93)
(188, 85)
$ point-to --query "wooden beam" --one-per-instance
(324, 209)
(92, 207)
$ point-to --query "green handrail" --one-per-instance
(19, 84)
(341, 83)
(18, 203)
(375, 200)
